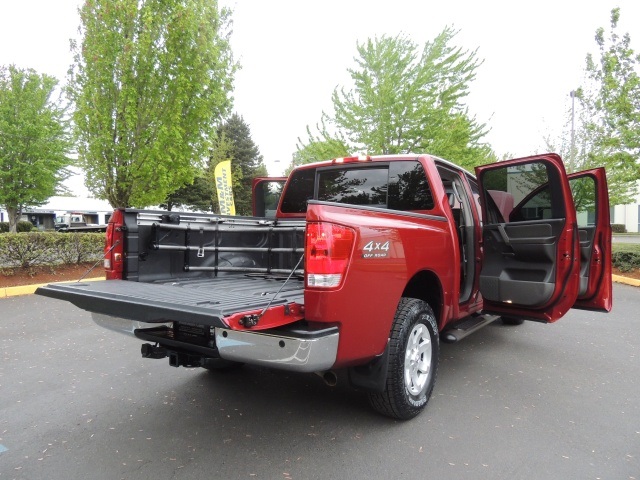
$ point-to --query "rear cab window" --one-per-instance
(398, 185)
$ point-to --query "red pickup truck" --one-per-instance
(364, 265)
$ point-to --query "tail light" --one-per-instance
(114, 247)
(327, 252)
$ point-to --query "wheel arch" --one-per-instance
(425, 285)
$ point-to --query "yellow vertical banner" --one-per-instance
(222, 174)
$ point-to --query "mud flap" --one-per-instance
(371, 377)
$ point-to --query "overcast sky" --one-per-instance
(294, 53)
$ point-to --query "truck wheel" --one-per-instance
(414, 348)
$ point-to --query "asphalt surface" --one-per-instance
(536, 401)
(625, 239)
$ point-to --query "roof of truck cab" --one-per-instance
(387, 158)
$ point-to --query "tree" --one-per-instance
(198, 195)
(406, 100)
(150, 80)
(235, 143)
(318, 148)
(34, 140)
(609, 123)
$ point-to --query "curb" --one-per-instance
(29, 289)
(626, 280)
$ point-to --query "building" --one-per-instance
(627, 215)
(80, 209)
(93, 211)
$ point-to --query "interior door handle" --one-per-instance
(503, 234)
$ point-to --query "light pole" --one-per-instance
(572, 94)
(276, 162)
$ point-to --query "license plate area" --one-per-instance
(182, 329)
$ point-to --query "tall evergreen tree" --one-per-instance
(198, 195)
(246, 160)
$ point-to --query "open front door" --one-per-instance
(531, 258)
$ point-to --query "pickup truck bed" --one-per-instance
(206, 301)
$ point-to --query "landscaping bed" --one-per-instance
(15, 277)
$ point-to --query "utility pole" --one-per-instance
(572, 153)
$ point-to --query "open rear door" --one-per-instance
(591, 199)
(531, 257)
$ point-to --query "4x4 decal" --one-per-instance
(376, 250)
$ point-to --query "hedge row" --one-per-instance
(21, 227)
(626, 261)
(49, 248)
(626, 256)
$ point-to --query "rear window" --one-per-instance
(397, 185)
(364, 186)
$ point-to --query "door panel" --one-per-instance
(530, 267)
(591, 202)
(586, 236)
(519, 262)
(591, 197)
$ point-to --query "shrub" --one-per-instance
(26, 249)
(80, 247)
(626, 261)
(626, 256)
(618, 228)
(21, 227)
(49, 248)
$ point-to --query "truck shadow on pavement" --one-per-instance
(280, 400)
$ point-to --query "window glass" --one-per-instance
(399, 185)
(525, 186)
(538, 207)
(267, 197)
(408, 187)
(583, 190)
(362, 186)
(299, 191)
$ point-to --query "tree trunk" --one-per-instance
(14, 214)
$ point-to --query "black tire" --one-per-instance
(414, 348)
(512, 321)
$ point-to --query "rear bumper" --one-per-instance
(295, 350)
(293, 347)
(123, 325)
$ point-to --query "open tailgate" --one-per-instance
(203, 301)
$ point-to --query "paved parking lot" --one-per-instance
(530, 402)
